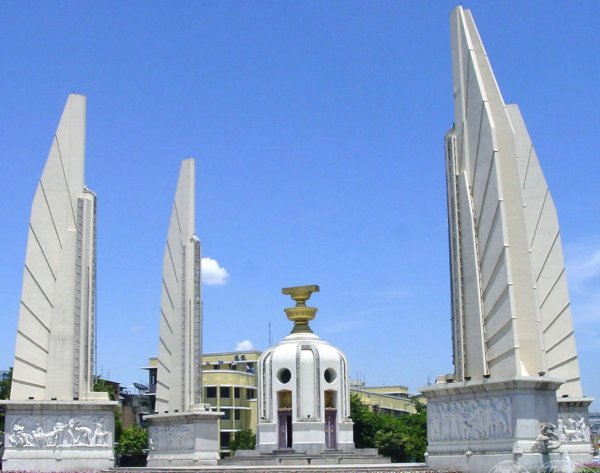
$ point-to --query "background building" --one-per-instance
(392, 400)
(229, 383)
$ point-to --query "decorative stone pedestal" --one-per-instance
(573, 428)
(183, 439)
(472, 426)
(46, 436)
(308, 437)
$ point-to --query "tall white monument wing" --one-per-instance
(547, 263)
(179, 365)
(510, 302)
(55, 335)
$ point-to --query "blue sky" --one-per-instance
(318, 132)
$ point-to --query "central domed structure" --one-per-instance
(303, 395)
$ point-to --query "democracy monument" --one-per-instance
(304, 400)
(515, 393)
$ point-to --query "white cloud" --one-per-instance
(213, 274)
(244, 345)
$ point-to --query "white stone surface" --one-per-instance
(511, 309)
(185, 439)
(307, 358)
(179, 365)
(59, 436)
(472, 426)
(55, 336)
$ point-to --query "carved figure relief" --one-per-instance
(470, 419)
(28, 432)
(171, 437)
(573, 430)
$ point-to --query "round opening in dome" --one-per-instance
(284, 375)
(330, 375)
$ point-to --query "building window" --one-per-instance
(225, 437)
(250, 393)
(237, 414)
(211, 392)
(225, 392)
(236, 392)
(216, 367)
(232, 366)
(227, 415)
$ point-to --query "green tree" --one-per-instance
(416, 429)
(243, 440)
(134, 441)
(402, 438)
(100, 385)
(392, 443)
(5, 385)
(365, 423)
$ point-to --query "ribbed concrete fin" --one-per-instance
(547, 262)
(174, 318)
(484, 264)
(517, 275)
(49, 251)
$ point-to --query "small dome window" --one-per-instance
(330, 375)
(284, 375)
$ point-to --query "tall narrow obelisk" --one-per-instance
(513, 340)
(52, 406)
(179, 365)
(183, 431)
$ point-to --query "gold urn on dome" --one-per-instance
(300, 314)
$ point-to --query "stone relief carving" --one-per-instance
(470, 419)
(29, 432)
(573, 430)
(171, 437)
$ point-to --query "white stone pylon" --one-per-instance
(183, 431)
(511, 307)
(513, 340)
(54, 421)
(54, 354)
(179, 361)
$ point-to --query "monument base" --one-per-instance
(308, 437)
(183, 439)
(359, 456)
(474, 425)
(46, 436)
(574, 429)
